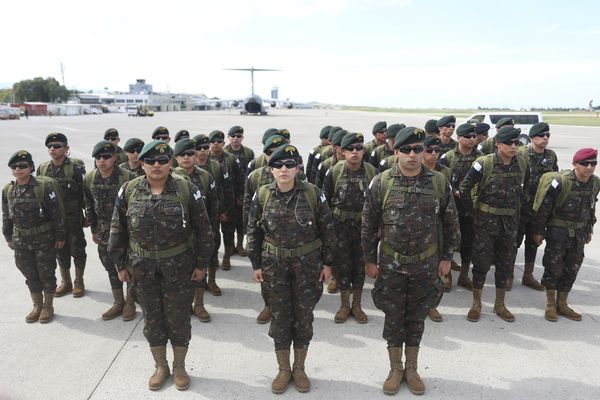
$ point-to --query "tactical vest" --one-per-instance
(67, 182)
(536, 170)
(260, 177)
(457, 164)
(103, 194)
(337, 177)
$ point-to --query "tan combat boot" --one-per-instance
(454, 266)
(129, 309)
(212, 283)
(264, 316)
(226, 263)
(34, 315)
(499, 307)
(357, 312)
(550, 311)
(301, 381)
(180, 376)
(434, 315)
(475, 311)
(463, 277)
(392, 383)
(282, 380)
(47, 309)
(563, 309)
(529, 280)
(199, 310)
(78, 285)
(161, 373)
(239, 248)
(448, 282)
(332, 286)
(66, 285)
(415, 384)
(117, 307)
(344, 312)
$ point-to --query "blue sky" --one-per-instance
(394, 53)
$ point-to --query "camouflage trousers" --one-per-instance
(109, 267)
(405, 299)
(349, 261)
(228, 229)
(239, 221)
(466, 238)
(526, 231)
(37, 263)
(562, 259)
(493, 244)
(292, 289)
(165, 292)
(74, 243)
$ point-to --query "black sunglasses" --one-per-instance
(202, 147)
(288, 164)
(587, 163)
(160, 160)
(161, 137)
(133, 151)
(469, 136)
(187, 153)
(547, 134)
(112, 139)
(449, 126)
(217, 141)
(515, 142)
(357, 147)
(269, 152)
(103, 156)
(20, 165)
(408, 149)
(55, 145)
(236, 136)
(433, 149)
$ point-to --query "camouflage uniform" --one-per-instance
(121, 156)
(231, 166)
(164, 240)
(257, 178)
(487, 146)
(445, 147)
(34, 226)
(323, 168)
(379, 154)
(291, 283)
(244, 155)
(411, 222)
(314, 159)
(137, 172)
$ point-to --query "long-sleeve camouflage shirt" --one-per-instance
(231, 165)
(71, 186)
(208, 187)
(256, 179)
(223, 181)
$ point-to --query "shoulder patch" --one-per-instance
(197, 195)
(226, 175)
(52, 195)
(477, 166)
(213, 185)
(318, 156)
(328, 171)
(383, 162)
(323, 198)
(443, 156)
(554, 183)
(120, 194)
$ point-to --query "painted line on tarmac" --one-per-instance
(115, 358)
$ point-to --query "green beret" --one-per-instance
(268, 133)
(216, 135)
(285, 133)
(284, 153)
(155, 148)
(161, 130)
(338, 136)
(504, 121)
(235, 129)
(183, 145)
(21, 155)
(507, 134)
(111, 133)
(432, 140)
(448, 119)
(56, 137)
(465, 129)
(431, 127)
(103, 147)
(538, 129)
(379, 127)
(273, 142)
(409, 135)
(332, 132)
(351, 138)
(324, 132)
(200, 140)
(133, 144)
(481, 128)
(393, 129)
(182, 134)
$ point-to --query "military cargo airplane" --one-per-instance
(252, 104)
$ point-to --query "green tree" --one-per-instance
(40, 89)
(6, 95)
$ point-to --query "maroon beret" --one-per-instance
(585, 154)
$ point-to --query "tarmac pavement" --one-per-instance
(79, 356)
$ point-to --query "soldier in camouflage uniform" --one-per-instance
(379, 130)
(256, 179)
(100, 191)
(540, 160)
(345, 186)
(502, 178)
(446, 126)
(260, 161)
(225, 199)
(409, 211)
(488, 146)
(565, 217)
(132, 149)
(385, 150)
(290, 244)
(244, 155)
(160, 225)
(482, 131)
(161, 133)
(112, 135)
(324, 153)
(185, 153)
(69, 173)
(231, 166)
(459, 160)
(33, 226)
(311, 163)
(431, 128)
(338, 155)
(182, 134)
